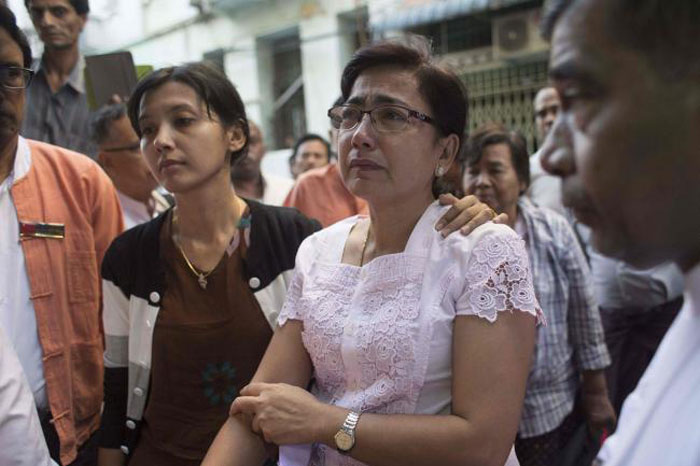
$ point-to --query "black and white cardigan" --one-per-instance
(133, 284)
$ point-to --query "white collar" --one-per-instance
(131, 204)
(23, 161)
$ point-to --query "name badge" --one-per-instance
(42, 230)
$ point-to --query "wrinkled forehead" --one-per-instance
(582, 34)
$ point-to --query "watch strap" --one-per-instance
(351, 422)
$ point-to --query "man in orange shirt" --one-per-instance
(320, 194)
(58, 214)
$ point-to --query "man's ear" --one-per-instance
(236, 137)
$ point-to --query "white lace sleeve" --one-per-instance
(291, 308)
(498, 279)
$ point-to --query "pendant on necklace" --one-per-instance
(202, 281)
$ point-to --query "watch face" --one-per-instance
(344, 441)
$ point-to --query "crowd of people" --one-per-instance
(165, 301)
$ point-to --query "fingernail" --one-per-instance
(440, 225)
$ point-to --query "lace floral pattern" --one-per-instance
(368, 331)
(367, 349)
(498, 279)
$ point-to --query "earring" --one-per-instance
(439, 171)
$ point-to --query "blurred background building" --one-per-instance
(286, 56)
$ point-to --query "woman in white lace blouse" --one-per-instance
(419, 345)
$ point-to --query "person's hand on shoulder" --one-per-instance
(465, 215)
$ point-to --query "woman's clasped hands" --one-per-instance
(285, 415)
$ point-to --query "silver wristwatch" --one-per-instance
(345, 437)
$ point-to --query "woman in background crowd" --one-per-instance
(420, 346)
(570, 353)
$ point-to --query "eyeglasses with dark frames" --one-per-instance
(385, 118)
(15, 77)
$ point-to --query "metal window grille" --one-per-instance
(504, 95)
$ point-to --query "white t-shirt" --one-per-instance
(17, 314)
(660, 421)
(21, 439)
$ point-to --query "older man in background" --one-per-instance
(120, 156)
(250, 181)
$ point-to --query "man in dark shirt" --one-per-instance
(56, 108)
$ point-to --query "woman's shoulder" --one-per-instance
(482, 236)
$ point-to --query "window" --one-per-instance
(455, 35)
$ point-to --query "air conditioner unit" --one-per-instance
(465, 61)
(517, 35)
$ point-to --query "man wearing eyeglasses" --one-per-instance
(119, 153)
(58, 214)
(56, 109)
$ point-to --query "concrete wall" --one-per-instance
(169, 32)
(176, 37)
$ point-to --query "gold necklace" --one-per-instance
(364, 248)
(201, 276)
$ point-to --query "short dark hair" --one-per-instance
(310, 137)
(494, 133)
(101, 120)
(82, 7)
(9, 23)
(209, 83)
(667, 33)
(441, 88)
